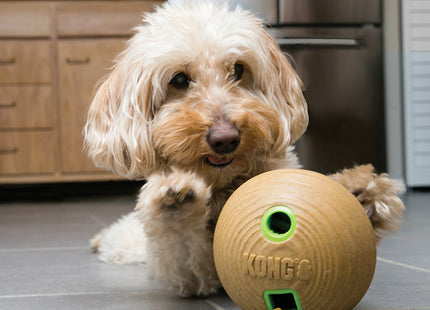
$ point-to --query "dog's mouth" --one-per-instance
(219, 162)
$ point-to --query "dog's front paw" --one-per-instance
(377, 193)
(176, 195)
(174, 209)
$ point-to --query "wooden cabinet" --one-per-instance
(81, 64)
(52, 53)
(27, 108)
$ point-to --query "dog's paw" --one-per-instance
(95, 241)
(175, 195)
(377, 193)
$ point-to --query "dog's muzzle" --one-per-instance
(223, 138)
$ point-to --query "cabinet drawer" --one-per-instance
(26, 152)
(100, 18)
(26, 107)
(25, 62)
(25, 19)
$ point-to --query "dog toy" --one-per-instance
(294, 239)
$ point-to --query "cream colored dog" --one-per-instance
(201, 100)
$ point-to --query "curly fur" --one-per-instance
(141, 125)
(377, 193)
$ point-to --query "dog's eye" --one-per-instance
(180, 81)
(238, 71)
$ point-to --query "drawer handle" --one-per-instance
(8, 105)
(9, 61)
(77, 61)
(9, 151)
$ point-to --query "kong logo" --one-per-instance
(284, 268)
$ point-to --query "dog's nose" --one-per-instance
(223, 137)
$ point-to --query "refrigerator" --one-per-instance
(336, 48)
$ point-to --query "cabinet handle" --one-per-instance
(13, 150)
(78, 61)
(8, 105)
(9, 61)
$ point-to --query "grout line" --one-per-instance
(214, 305)
(97, 220)
(402, 265)
(71, 248)
(67, 294)
(54, 294)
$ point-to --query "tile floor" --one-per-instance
(45, 262)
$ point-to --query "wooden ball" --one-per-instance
(294, 239)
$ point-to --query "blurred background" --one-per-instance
(364, 63)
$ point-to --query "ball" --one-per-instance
(294, 239)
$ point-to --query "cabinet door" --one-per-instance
(81, 64)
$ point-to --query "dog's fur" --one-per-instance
(147, 120)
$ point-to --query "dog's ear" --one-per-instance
(117, 132)
(284, 87)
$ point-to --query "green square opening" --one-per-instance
(286, 299)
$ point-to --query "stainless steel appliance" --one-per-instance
(336, 47)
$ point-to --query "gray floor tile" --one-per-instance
(139, 300)
(417, 206)
(67, 271)
(48, 227)
(66, 224)
(107, 212)
(412, 251)
(397, 287)
(223, 301)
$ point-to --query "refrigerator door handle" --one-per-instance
(321, 42)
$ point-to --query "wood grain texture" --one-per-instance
(25, 19)
(81, 64)
(25, 61)
(26, 106)
(100, 18)
(27, 152)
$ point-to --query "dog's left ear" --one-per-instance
(284, 87)
(117, 132)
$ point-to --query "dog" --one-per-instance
(201, 100)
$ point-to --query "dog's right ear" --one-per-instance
(117, 132)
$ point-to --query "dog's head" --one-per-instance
(200, 87)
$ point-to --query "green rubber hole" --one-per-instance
(278, 223)
(286, 299)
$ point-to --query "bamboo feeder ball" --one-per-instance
(294, 239)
